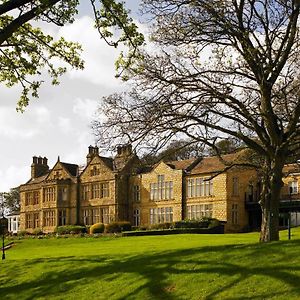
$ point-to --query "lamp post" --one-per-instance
(2, 225)
(289, 213)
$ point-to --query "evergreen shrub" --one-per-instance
(166, 225)
(37, 231)
(116, 227)
(23, 233)
(204, 222)
(70, 229)
(97, 228)
(214, 223)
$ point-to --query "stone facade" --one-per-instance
(50, 199)
(121, 189)
(66, 195)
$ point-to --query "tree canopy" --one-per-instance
(11, 200)
(220, 69)
(176, 150)
(25, 51)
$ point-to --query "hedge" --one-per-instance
(213, 230)
(70, 229)
(202, 223)
(166, 225)
(116, 227)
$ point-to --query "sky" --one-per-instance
(58, 123)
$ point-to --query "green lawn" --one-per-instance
(227, 266)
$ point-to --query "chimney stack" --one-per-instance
(93, 151)
(39, 166)
(124, 152)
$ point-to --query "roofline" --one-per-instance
(91, 162)
(59, 162)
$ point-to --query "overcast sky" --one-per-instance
(58, 123)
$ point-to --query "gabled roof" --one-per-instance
(213, 164)
(176, 165)
(71, 168)
(144, 169)
(181, 164)
(108, 161)
(38, 179)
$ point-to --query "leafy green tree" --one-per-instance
(225, 146)
(176, 150)
(221, 69)
(12, 200)
(25, 50)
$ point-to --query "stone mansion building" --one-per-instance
(122, 189)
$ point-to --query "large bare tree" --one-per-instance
(220, 69)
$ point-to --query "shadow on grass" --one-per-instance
(156, 270)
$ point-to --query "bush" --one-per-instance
(23, 233)
(116, 227)
(166, 225)
(214, 223)
(143, 228)
(37, 231)
(87, 227)
(191, 224)
(97, 228)
(70, 229)
(204, 222)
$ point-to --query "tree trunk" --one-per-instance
(270, 197)
(270, 222)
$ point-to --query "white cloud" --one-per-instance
(15, 126)
(85, 108)
(98, 56)
(42, 115)
(78, 154)
(13, 176)
(65, 125)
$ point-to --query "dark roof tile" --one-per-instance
(214, 164)
(71, 168)
(108, 161)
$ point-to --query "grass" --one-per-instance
(231, 266)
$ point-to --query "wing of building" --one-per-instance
(122, 189)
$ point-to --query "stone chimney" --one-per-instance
(39, 166)
(93, 151)
(124, 153)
